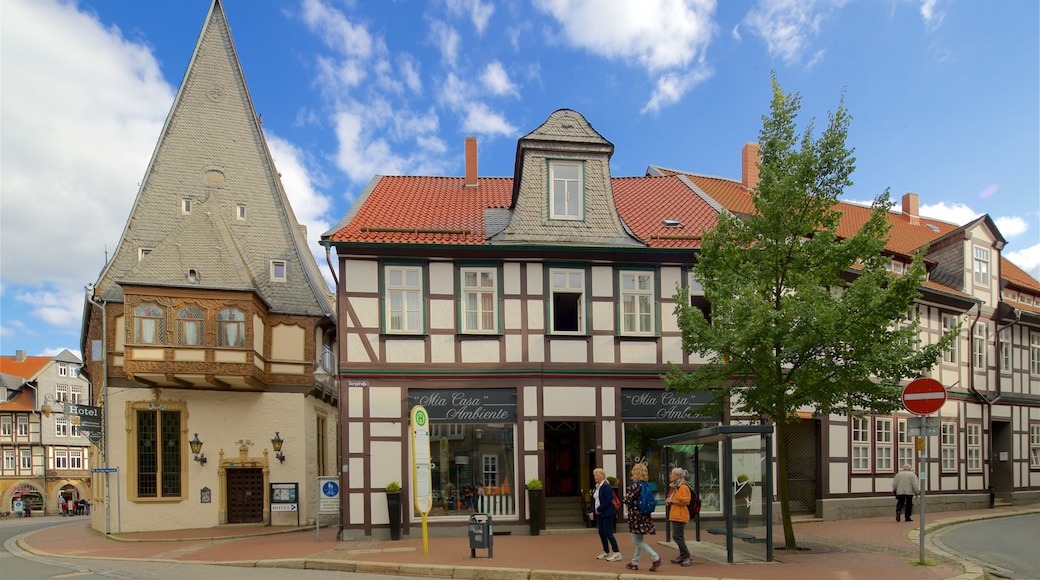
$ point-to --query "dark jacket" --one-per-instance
(606, 502)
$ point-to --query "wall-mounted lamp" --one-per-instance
(196, 449)
(276, 443)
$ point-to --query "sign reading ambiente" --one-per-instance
(467, 405)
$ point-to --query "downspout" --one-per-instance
(339, 401)
(96, 300)
(332, 269)
(971, 363)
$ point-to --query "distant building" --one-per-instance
(45, 454)
(211, 325)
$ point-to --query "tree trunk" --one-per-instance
(781, 469)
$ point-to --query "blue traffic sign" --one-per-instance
(330, 489)
(105, 470)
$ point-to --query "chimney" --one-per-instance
(910, 208)
(471, 162)
(19, 356)
(749, 158)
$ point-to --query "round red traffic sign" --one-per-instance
(924, 396)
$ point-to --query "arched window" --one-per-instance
(231, 327)
(148, 324)
(190, 325)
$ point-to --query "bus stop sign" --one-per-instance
(924, 396)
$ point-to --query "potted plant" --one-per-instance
(535, 499)
(742, 501)
(393, 508)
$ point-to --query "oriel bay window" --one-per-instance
(190, 325)
(148, 324)
(156, 451)
(231, 327)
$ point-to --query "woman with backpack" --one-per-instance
(604, 512)
(640, 521)
(678, 502)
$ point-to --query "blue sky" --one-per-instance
(944, 97)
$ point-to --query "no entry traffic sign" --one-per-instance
(924, 396)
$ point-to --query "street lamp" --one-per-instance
(196, 449)
(276, 444)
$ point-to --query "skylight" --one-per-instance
(672, 223)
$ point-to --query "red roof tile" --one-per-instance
(23, 400)
(27, 369)
(645, 202)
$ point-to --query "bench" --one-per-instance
(740, 535)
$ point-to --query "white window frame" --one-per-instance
(63, 369)
(883, 436)
(240, 212)
(489, 470)
(907, 452)
(638, 303)
(403, 299)
(22, 426)
(479, 300)
(860, 437)
(279, 270)
(75, 459)
(566, 192)
(6, 426)
(142, 253)
(61, 427)
(9, 462)
(1034, 353)
(973, 446)
(186, 206)
(981, 266)
(567, 281)
(1005, 350)
(73, 429)
(948, 446)
(25, 460)
(1034, 446)
(453, 431)
(61, 459)
(61, 393)
(978, 346)
(949, 322)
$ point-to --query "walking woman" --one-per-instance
(604, 513)
(678, 502)
(639, 523)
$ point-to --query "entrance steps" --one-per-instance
(564, 512)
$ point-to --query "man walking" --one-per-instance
(905, 485)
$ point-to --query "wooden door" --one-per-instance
(245, 496)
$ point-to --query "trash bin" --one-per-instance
(480, 536)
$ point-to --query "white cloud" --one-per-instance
(1011, 226)
(341, 35)
(481, 120)
(671, 88)
(787, 25)
(80, 119)
(478, 11)
(447, 41)
(410, 71)
(1028, 259)
(497, 81)
(932, 16)
(956, 213)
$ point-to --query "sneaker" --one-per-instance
(632, 566)
(614, 557)
(676, 560)
(909, 520)
(687, 562)
(655, 565)
(897, 517)
(603, 556)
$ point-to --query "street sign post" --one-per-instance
(422, 479)
(924, 396)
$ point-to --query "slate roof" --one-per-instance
(213, 152)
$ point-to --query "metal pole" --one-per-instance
(924, 487)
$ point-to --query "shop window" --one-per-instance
(641, 446)
(473, 469)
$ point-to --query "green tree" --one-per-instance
(801, 316)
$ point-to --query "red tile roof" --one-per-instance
(27, 369)
(23, 400)
(441, 210)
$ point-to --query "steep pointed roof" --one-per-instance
(27, 368)
(212, 153)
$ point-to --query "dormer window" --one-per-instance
(981, 266)
(142, 253)
(185, 206)
(278, 270)
(567, 197)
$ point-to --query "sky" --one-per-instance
(944, 97)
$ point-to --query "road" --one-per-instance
(1003, 547)
(16, 563)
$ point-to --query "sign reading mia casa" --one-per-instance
(467, 405)
(655, 405)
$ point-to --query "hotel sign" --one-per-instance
(659, 405)
(467, 405)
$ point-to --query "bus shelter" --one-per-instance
(732, 463)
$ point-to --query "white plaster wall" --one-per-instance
(531, 402)
(535, 274)
(568, 351)
(609, 435)
(355, 438)
(670, 277)
(367, 310)
(357, 508)
(356, 351)
(514, 348)
(839, 441)
(511, 278)
(610, 461)
(638, 352)
(839, 476)
(603, 349)
(671, 349)
(480, 351)
(531, 442)
(404, 350)
(386, 429)
(442, 348)
(385, 402)
(602, 281)
(355, 402)
(442, 314)
(356, 472)
(442, 278)
(511, 315)
(536, 347)
(361, 276)
(603, 315)
(535, 315)
(569, 401)
(389, 467)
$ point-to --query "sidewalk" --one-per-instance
(851, 550)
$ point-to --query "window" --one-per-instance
(1034, 446)
(637, 303)
(25, 457)
(978, 346)
(906, 445)
(566, 190)
(948, 436)
(142, 253)
(231, 328)
(76, 394)
(860, 444)
(75, 459)
(63, 369)
(1005, 350)
(190, 326)
(490, 463)
(883, 432)
(981, 266)
(185, 206)
(6, 426)
(61, 393)
(148, 324)
(479, 300)
(973, 437)
(73, 429)
(404, 299)
(8, 460)
(949, 323)
(158, 454)
(61, 459)
(566, 309)
(240, 212)
(61, 427)
(1034, 353)
(448, 430)
(278, 270)
(23, 426)
(320, 444)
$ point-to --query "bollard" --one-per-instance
(480, 535)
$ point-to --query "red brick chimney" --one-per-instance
(911, 209)
(471, 162)
(749, 158)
